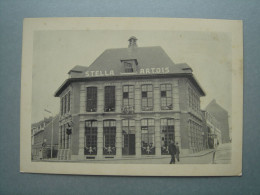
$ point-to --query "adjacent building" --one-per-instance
(213, 131)
(129, 102)
(44, 136)
(221, 115)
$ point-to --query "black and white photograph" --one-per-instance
(132, 96)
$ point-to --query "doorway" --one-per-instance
(129, 144)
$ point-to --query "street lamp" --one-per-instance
(51, 129)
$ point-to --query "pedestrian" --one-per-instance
(172, 151)
(177, 152)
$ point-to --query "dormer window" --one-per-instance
(130, 66)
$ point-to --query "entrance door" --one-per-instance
(129, 144)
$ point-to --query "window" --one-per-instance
(147, 97)
(109, 137)
(128, 131)
(91, 99)
(167, 132)
(65, 104)
(110, 99)
(147, 129)
(128, 99)
(90, 137)
(68, 101)
(128, 67)
(61, 106)
(166, 97)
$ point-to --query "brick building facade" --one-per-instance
(129, 101)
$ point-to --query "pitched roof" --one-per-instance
(146, 57)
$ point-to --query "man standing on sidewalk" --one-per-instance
(172, 151)
(177, 152)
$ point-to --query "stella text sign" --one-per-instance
(101, 73)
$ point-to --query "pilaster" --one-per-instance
(118, 139)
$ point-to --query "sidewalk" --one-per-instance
(132, 159)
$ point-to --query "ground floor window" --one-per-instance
(128, 137)
(147, 128)
(90, 137)
(167, 134)
(109, 137)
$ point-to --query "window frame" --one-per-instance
(148, 149)
(107, 99)
(170, 106)
(147, 108)
(93, 130)
(91, 102)
(110, 131)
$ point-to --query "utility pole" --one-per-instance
(51, 129)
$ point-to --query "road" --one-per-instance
(223, 154)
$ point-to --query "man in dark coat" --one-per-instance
(177, 152)
(172, 151)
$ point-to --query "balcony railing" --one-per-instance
(127, 109)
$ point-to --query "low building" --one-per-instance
(45, 134)
(129, 102)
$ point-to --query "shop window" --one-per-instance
(147, 129)
(90, 137)
(167, 134)
(147, 97)
(110, 99)
(166, 96)
(109, 137)
(91, 99)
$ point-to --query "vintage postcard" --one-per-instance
(132, 96)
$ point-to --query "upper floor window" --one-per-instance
(166, 97)
(129, 65)
(128, 99)
(65, 103)
(110, 99)
(147, 97)
(91, 99)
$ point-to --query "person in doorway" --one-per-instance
(177, 152)
(172, 151)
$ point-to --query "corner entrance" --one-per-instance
(129, 144)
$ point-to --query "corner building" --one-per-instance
(129, 102)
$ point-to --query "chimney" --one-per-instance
(132, 42)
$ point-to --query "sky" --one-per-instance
(56, 52)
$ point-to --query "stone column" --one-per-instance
(156, 98)
(118, 139)
(118, 97)
(157, 137)
(137, 98)
(175, 95)
(138, 138)
(82, 98)
(60, 136)
(100, 99)
(100, 139)
(177, 127)
(81, 140)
